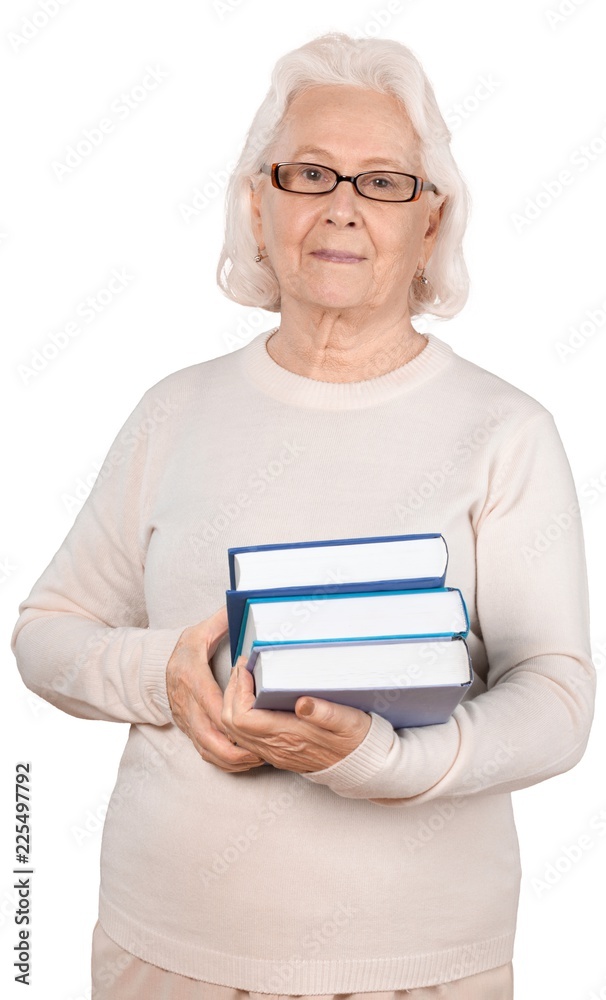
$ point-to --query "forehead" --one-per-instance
(352, 122)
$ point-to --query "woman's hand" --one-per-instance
(196, 700)
(291, 741)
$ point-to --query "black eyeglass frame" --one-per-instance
(420, 183)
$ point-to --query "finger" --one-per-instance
(207, 693)
(228, 766)
(225, 713)
(238, 702)
(213, 745)
(218, 627)
(208, 703)
(209, 696)
(242, 694)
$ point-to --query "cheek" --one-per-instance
(291, 227)
(398, 244)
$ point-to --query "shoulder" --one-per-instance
(191, 379)
(487, 397)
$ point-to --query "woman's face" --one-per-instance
(349, 129)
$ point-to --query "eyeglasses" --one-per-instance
(379, 185)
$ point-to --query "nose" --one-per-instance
(342, 205)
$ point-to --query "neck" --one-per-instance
(333, 348)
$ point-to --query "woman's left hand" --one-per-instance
(291, 741)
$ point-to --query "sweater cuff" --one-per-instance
(158, 650)
(362, 763)
(389, 766)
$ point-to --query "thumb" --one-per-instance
(305, 707)
(320, 712)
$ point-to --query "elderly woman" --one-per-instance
(320, 852)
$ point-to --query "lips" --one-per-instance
(340, 256)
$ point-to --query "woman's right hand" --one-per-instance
(196, 700)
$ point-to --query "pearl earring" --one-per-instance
(260, 255)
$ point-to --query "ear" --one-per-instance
(433, 226)
(255, 211)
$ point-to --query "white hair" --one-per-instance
(388, 67)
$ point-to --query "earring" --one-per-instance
(421, 277)
(260, 255)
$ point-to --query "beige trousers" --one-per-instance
(118, 975)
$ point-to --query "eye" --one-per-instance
(381, 182)
(311, 174)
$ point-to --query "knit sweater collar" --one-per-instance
(259, 367)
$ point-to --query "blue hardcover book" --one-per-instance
(332, 566)
(407, 681)
(370, 616)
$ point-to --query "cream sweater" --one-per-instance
(397, 867)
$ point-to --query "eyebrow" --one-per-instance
(312, 151)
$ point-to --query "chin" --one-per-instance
(334, 298)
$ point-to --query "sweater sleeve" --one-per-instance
(82, 641)
(533, 720)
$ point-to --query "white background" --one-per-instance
(122, 207)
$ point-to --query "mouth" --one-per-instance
(337, 256)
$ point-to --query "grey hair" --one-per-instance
(388, 67)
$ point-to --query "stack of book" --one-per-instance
(366, 622)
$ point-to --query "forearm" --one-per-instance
(500, 741)
(94, 671)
